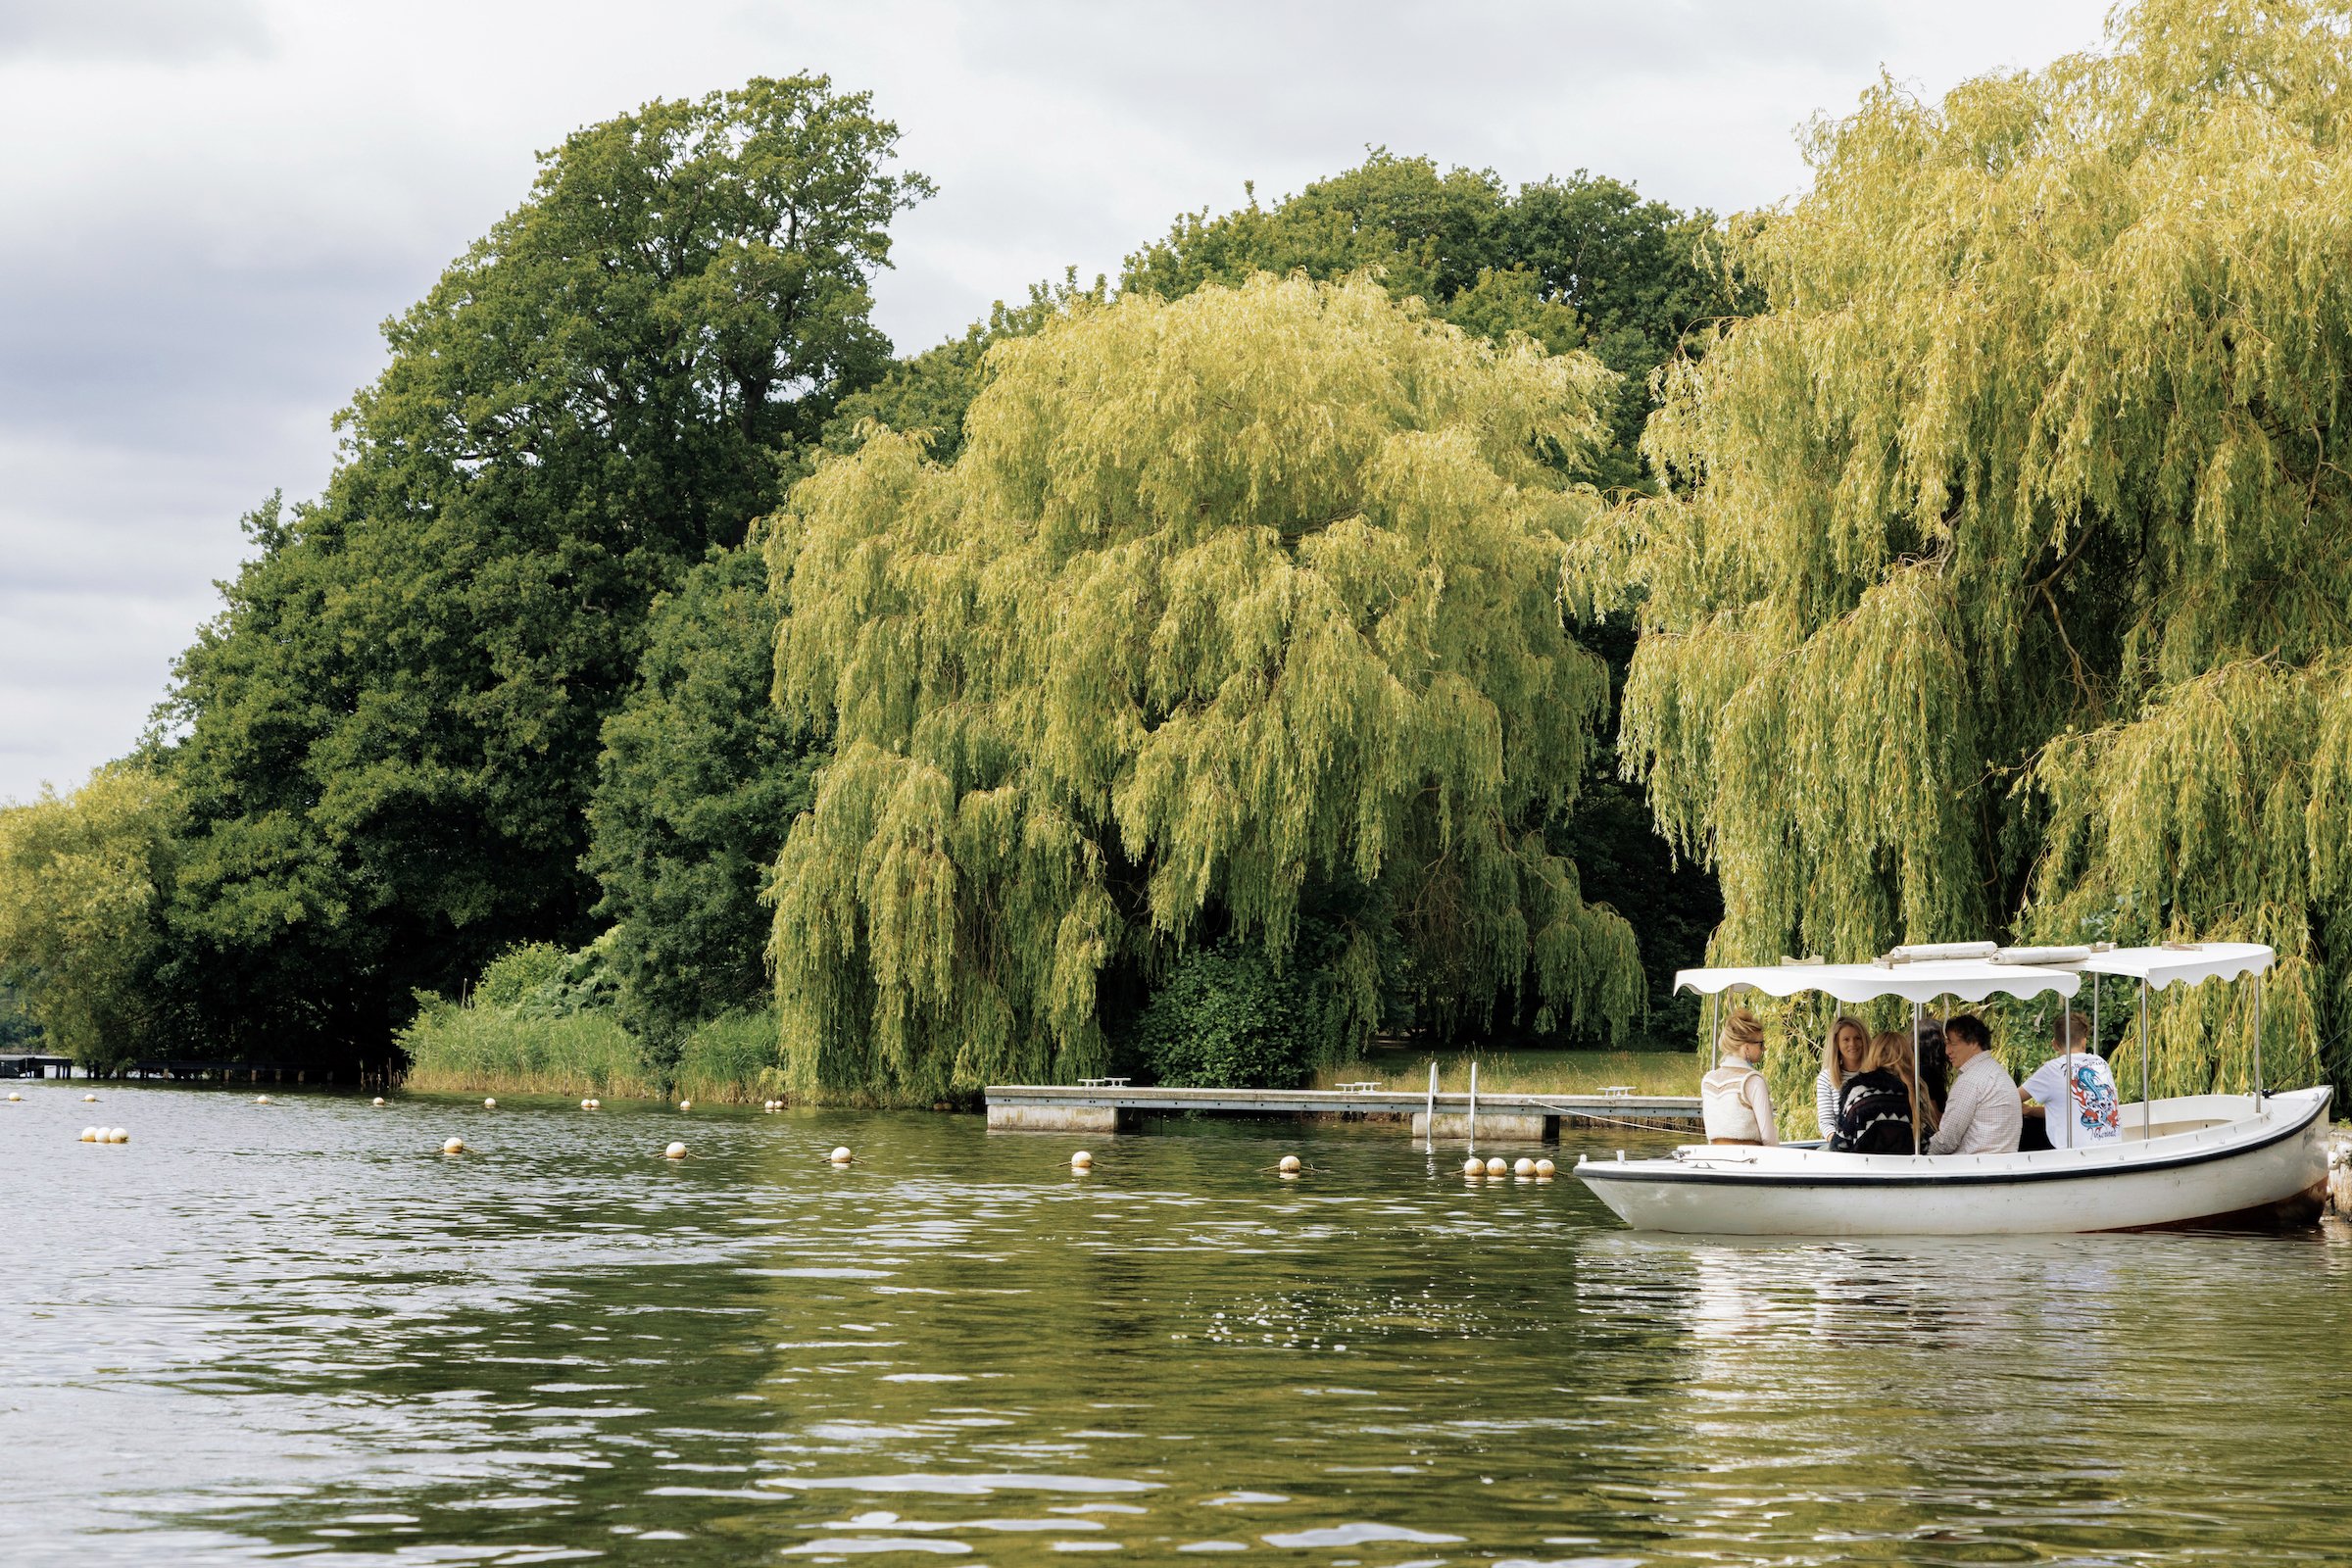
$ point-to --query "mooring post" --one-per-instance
(1472, 1145)
(1429, 1119)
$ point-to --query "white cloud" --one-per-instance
(211, 205)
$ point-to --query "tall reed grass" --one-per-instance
(732, 1058)
(455, 1047)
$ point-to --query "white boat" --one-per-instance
(2252, 1160)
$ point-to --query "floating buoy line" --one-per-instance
(1082, 1161)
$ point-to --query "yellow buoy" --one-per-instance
(1523, 1166)
(377, 1100)
(1081, 1160)
(1289, 1165)
(1474, 1167)
(89, 1135)
(1545, 1167)
(489, 1105)
(1495, 1166)
(453, 1146)
(841, 1156)
(674, 1152)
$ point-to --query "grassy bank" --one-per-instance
(1526, 1072)
(482, 1048)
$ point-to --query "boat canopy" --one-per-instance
(1923, 980)
(2187, 963)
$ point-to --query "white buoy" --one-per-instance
(1474, 1167)
(1523, 1166)
(489, 1105)
(89, 1135)
(841, 1156)
(1546, 1169)
(260, 1099)
(117, 1135)
(685, 1104)
(674, 1152)
(1081, 1160)
(89, 1100)
(378, 1101)
(13, 1095)
(1495, 1166)
(1289, 1165)
(453, 1146)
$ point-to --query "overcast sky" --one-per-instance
(211, 205)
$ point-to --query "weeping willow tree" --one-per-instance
(2005, 582)
(1225, 603)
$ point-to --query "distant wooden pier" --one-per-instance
(1501, 1119)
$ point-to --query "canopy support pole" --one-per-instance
(2257, 1040)
(2145, 1108)
(1916, 1010)
(2066, 1027)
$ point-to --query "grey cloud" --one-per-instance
(162, 30)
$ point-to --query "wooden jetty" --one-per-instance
(34, 1064)
(1501, 1119)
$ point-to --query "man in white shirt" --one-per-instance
(1982, 1115)
(2076, 1090)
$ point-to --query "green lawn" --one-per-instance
(1525, 1072)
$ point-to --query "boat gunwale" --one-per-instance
(1666, 1170)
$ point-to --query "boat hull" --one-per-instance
(2210, 1160)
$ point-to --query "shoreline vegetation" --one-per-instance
(457, 1048)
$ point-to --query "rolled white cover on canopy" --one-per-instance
(1971, 979)
(2161, 966)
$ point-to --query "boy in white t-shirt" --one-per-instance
(2076, 1090)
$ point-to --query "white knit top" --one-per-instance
(1735, 1104)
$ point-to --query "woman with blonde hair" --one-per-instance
(1881, 1110)
(1732, 1097)
(1840, 1059)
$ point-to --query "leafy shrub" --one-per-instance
(1227, 1018)
(540, 980)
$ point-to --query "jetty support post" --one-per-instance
(1429, 1124)
(1471, 1145)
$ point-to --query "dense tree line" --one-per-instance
(1161, 667)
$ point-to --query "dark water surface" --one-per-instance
(297, 1332)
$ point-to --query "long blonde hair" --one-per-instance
(1830, 1058)
(1892, 1052)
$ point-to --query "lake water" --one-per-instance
(298, 1331)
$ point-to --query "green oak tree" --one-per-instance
(702, 776)
(2007, 582)
(1231, 608)
(386, 740)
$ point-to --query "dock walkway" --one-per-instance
(1502, 1118)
